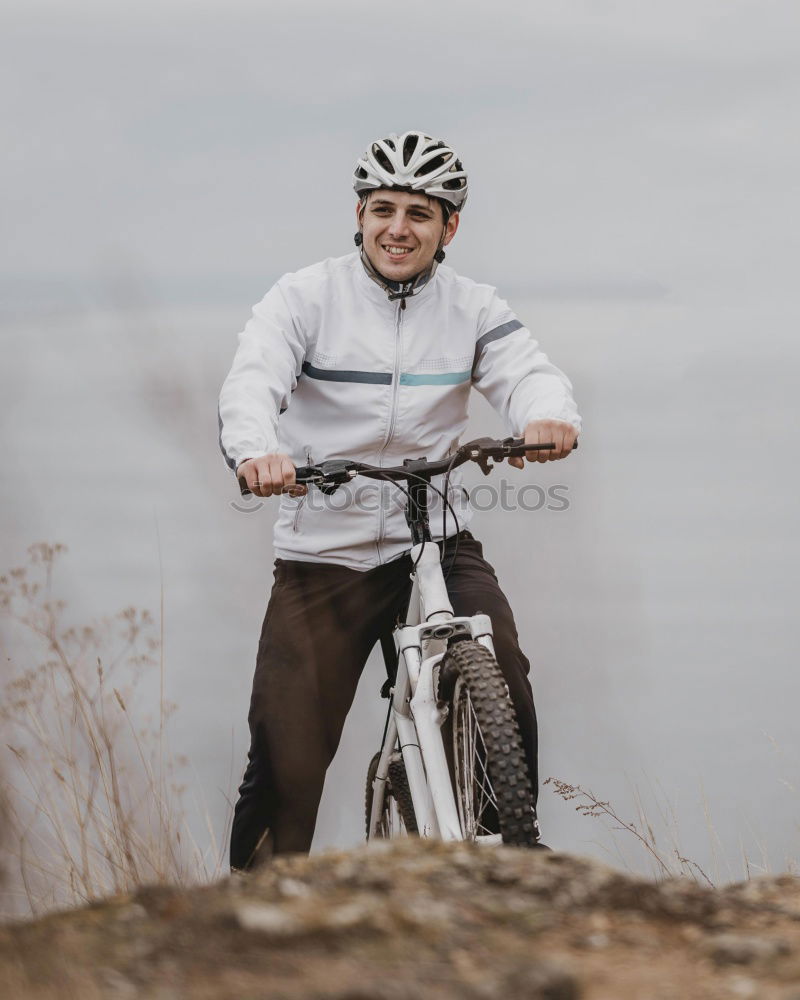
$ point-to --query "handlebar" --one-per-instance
(331, 474)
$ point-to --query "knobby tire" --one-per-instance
(470, 674)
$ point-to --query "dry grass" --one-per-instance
(666, 861)
(94, 802)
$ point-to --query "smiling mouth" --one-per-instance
(395, 251)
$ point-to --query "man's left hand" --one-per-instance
(557, 432)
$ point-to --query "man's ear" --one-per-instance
(451, 227)
(358, 238)
(361, 204)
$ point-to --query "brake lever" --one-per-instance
(507, 448)
(327, 476)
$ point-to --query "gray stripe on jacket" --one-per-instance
(496, 334)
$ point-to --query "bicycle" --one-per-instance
(451, 763)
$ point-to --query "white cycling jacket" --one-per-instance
(328, 367)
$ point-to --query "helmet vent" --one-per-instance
(409, 147)
(382, 158)
(437, 163)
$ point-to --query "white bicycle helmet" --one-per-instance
(413, 161)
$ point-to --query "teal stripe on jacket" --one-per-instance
(445, 378)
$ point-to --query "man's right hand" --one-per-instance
(270, 475)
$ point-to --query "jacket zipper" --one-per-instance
(398, 343)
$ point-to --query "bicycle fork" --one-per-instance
(415, 721)
(415, 724)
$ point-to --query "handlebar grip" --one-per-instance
(303, 474)
(519, 447)
(519, 443)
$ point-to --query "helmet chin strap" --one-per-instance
(400, 289)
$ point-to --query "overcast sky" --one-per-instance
(208, 147)
(634, 193)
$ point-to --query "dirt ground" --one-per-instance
(415, 919)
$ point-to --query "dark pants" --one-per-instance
(322, 622)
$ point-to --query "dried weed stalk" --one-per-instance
(667, 864)
(95, 806)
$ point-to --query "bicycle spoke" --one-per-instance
(476, 794)
(481, 781)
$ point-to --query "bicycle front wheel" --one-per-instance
(490, 775)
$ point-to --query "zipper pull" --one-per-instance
(402, 304)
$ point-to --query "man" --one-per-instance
(369, 357)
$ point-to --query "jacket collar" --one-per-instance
(397, 291)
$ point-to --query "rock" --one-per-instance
(542, 980)
(133, 911)
(359, 912)
(741, 987)
(274, 921)
(118, 987)
(739, 949)
(293, 888)
(597, 941)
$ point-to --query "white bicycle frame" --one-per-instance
(416, 717)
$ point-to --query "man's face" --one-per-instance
(402, 231)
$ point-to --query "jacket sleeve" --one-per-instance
(516, 376)
(264, 374)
